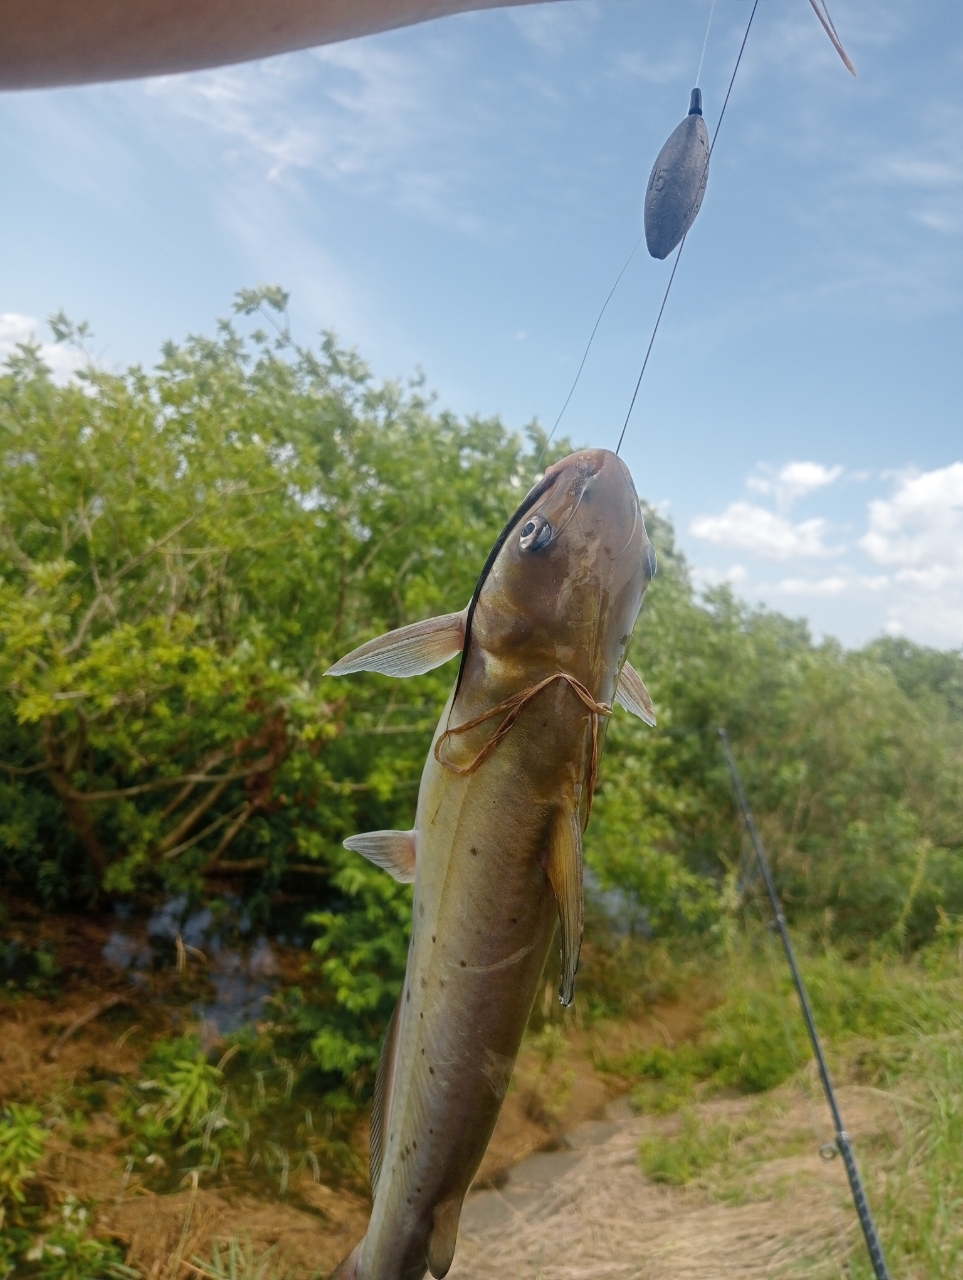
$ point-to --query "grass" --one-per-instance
(918, 1191)
(237, 1260)
(890, 1024)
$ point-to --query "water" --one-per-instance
(240, 964)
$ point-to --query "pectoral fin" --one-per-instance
(563, 866)
(632, 694)
(409, 651)
(393, 851)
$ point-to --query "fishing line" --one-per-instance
(589, 345)
(658, 321)
(712, 9)
(625, 266)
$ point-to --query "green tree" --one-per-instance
(853, 762)
(182, 554)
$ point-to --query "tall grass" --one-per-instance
(891, 1023)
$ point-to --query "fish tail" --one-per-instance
(348, 1269)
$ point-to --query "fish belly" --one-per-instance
(484, 917)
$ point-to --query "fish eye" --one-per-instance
(536, 533)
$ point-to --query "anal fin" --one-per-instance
(393, 851)
(382, 1096)
(409, 651)
(444, 1234)
(563, 866)
(632, 694)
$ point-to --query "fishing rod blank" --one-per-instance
(843, 1141)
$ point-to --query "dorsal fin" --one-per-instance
(632, 694)
(382, 1097)
(409, 651)
(393, 851)
(563, 866)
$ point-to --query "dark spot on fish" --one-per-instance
(464, 964)
(421, 1015)
(407, 996)
(432, 1070)
(424, 982)
(422, 1053)
(434, 937)
(414, 1147)
(431, 1131)
(418, 1189)
(474, 852)
(514, 919)
(408, 1200)
(421, 908)
(442, 983)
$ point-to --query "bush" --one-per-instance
(853, 763)
(755, 1039)
(182, 554)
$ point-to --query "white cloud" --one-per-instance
(904, 576)
(834, 585)
(920, 528)
(554, 28)
(763, 532)
(917, 533)
(367, 115)
(16, 329)
(734, 576)
(794, 480)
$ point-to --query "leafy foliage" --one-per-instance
(853, 762)
(181, 555)
(69, 1252)
(184, 552)
(22, 1142)
(754, 1039)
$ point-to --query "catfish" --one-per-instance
(495, 854)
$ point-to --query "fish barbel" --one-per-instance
(496, 850)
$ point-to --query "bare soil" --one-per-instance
(559, 1083)
(781, 1210)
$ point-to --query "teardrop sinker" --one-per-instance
(677, 182)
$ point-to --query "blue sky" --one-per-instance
(460, 196)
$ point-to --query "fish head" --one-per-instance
(564, 583)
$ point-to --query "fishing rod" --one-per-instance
(843, 1141)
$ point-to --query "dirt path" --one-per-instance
(771, 1206)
